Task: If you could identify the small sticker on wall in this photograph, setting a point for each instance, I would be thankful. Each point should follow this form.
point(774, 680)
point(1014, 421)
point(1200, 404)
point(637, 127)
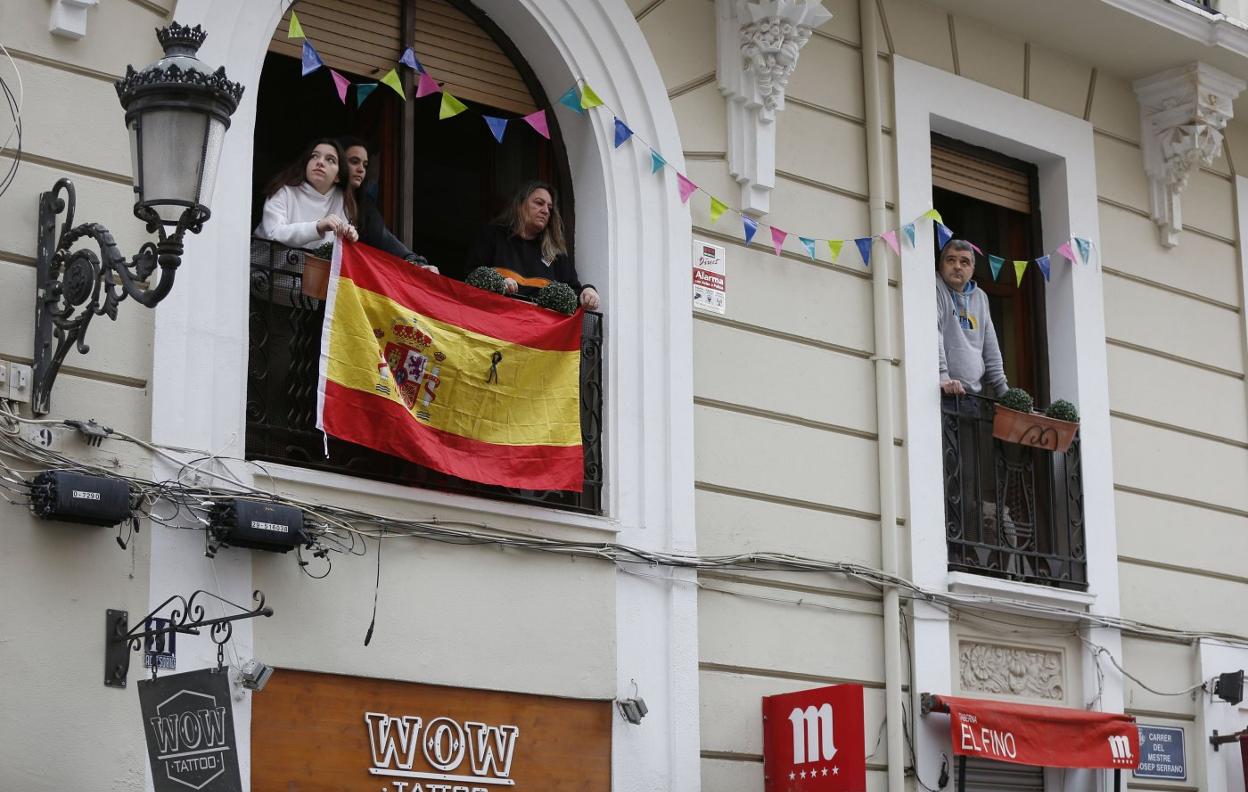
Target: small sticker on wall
point(710, 277)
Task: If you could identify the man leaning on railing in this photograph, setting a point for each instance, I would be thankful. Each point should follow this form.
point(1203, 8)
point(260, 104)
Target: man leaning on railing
point(970, 357)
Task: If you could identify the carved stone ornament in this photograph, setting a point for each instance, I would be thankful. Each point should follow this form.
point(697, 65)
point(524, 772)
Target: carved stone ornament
point(1011, 670)
point(758, 45)
point(1182, 114)
point(68, 18)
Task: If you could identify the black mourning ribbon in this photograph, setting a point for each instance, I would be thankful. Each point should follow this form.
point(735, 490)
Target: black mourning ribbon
point(495, 359)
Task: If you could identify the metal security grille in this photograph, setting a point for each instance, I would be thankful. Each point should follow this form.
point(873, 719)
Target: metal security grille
point(985, 775)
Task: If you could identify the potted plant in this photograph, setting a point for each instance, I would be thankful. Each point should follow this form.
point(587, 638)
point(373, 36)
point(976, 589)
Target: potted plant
point(316, 271)
point(1015, 421)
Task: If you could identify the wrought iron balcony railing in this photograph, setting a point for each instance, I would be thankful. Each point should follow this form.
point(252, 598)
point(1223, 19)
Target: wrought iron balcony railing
point(1011, 511)
point(285, 342)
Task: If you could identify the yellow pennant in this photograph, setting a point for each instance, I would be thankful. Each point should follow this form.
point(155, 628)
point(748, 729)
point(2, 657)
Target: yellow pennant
point(450, 106)
point(718, 208)
point(392, 79)
point(1019, 266)
point(835, 246)
point(932, 214)
point(589, 98)
point(295, 30)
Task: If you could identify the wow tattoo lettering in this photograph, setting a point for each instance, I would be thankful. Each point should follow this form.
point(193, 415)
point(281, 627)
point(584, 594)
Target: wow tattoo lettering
point(442, 755)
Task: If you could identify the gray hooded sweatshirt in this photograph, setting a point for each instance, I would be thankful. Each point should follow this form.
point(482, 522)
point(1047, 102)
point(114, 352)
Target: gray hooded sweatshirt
point(967, 341)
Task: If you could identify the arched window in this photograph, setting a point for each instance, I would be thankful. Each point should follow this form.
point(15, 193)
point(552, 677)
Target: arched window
point(436, 182)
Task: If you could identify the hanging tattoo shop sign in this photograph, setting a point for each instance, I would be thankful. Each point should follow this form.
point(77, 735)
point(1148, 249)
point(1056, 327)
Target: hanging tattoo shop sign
point(189, 725)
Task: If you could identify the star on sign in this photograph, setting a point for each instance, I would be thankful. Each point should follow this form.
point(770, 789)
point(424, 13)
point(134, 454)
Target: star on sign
point(792, 775)
point(836, 770)
point(825, 771)
point(803, 774)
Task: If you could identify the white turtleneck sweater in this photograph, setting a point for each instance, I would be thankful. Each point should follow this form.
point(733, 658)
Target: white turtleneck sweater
point(291, 214)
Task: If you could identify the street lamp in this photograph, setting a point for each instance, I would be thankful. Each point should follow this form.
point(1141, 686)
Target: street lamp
point(177, 111)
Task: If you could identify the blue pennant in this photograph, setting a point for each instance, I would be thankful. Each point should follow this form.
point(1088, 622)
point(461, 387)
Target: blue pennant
point(1043, 264)
point(497, 126)
point(943, 234)
point(996, 263)
point(864, 247)
point(311, 60)
point(572, 99)
point(1085, 248)
point(656, 161)
point(751, 227)
point(362, 90)
point(908, 230)
point(622, 133)
point(809, 244)
point(409, 60)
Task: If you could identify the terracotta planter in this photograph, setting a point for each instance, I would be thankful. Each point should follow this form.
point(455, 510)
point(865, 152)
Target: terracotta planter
point(1033, 429)
point(315, 276)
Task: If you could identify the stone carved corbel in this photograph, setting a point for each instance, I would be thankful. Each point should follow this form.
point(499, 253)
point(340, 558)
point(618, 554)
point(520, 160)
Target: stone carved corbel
point(758, 44)
point(1182, 114)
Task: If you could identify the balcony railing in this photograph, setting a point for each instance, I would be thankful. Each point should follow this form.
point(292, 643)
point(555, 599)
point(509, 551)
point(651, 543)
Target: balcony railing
point(1011, 511)
point(285, 342)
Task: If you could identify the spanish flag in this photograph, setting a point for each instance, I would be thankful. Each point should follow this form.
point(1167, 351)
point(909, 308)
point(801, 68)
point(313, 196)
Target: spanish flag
point(448, 376)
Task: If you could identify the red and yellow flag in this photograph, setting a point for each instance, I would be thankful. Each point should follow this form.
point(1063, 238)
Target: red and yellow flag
point(451, 377)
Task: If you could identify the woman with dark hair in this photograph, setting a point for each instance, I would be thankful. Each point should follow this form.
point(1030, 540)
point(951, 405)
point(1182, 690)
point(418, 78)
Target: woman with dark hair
point(305, 204)
point(526, 246)
point(372, 228)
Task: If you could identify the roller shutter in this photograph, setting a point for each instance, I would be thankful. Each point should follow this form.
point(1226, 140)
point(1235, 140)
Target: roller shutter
point(966, 174)
point(363, 37)
point(985, 775)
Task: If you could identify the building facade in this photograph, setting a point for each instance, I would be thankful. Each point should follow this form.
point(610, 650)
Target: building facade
point(792, 450)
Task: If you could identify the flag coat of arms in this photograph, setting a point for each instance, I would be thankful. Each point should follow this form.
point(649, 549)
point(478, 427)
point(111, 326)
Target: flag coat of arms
point(457, 379)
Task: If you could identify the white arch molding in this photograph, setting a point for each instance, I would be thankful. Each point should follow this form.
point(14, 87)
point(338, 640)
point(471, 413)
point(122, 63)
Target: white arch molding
point(633, 236)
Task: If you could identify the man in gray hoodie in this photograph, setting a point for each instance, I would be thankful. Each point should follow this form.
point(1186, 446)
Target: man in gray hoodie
point(970, 358)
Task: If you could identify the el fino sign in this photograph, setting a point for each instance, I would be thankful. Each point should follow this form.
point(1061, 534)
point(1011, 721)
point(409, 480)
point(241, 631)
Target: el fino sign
point(189, 725)
point(815, 741)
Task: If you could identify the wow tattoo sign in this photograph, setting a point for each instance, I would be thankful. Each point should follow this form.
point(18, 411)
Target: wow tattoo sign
point(189, 725)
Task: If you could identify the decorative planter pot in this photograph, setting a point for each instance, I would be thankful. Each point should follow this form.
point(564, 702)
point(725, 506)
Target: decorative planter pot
point(315, 276)
point(1033, 429)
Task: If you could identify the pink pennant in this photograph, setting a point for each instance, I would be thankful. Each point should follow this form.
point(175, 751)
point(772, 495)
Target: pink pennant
point(1067, 252)
point(686, 187)
point(975, 248)
point(777, 239)
point(890, 237)
point(342, 84)
point(426, 86)
point(537, 120)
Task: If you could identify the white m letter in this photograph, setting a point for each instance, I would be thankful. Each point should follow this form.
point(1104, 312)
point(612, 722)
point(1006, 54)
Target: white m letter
point(815, 739)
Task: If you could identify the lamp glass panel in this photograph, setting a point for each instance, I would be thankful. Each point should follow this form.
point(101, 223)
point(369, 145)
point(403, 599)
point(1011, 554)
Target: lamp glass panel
point(134, 160)
point(172, 146)
point(212, 159)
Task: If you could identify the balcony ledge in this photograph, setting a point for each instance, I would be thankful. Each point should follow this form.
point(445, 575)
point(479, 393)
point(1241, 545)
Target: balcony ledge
point(1213, 29)
point(1009, 595)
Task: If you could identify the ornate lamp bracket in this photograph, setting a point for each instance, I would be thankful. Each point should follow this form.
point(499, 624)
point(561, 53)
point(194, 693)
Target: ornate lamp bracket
point(186, 616)
point(1182, 114)
point(758, 45)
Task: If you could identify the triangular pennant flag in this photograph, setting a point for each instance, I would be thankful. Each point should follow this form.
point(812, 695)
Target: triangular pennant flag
point(777, 239)
point(943, 234)
point(718, 208)
point(589, 99)
point(835, 245)
point(571, 99)
point(656, 161)
point(450, 107)
point(751, 227)
point(342, 84)
point(392, 79)
point(809, 244)
point(1085, 248)
point(890, 238)
point(932, 214)
point(1019, 268)
point(975, 248)
point(295, 30)
point(622, 133)
point(996, 263)
point(537, 120)
point(685, 186)
point(426, 85)
point(362, 91)
point(311, 60)
point(409, 60)
point(1067, 252)
point(908, 230)
point(1043, 264)
point(497, 126)
point(864, 248)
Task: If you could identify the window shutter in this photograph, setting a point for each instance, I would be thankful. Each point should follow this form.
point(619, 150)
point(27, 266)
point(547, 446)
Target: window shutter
point(462, 56)
point(363, 37)
point(985, 775)
point(972, 176)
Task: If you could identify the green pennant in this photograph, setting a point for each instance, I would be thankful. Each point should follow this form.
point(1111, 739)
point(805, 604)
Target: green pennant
point(589, 98)
point(835, 245)
point(295, 31)
point(1019, 268)
point(718, 208)
point(450, 106)
point(392, 79)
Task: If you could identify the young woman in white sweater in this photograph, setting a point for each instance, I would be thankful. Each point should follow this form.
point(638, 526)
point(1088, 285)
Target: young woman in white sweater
point(306, 205)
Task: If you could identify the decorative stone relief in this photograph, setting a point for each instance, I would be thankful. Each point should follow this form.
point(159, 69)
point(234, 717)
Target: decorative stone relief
point(758, 45)
point(1182, 114)
point(1011, 670)
point(68, 18)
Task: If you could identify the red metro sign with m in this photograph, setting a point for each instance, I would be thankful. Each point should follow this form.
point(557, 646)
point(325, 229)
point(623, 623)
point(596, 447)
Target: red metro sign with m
point(814, 741)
